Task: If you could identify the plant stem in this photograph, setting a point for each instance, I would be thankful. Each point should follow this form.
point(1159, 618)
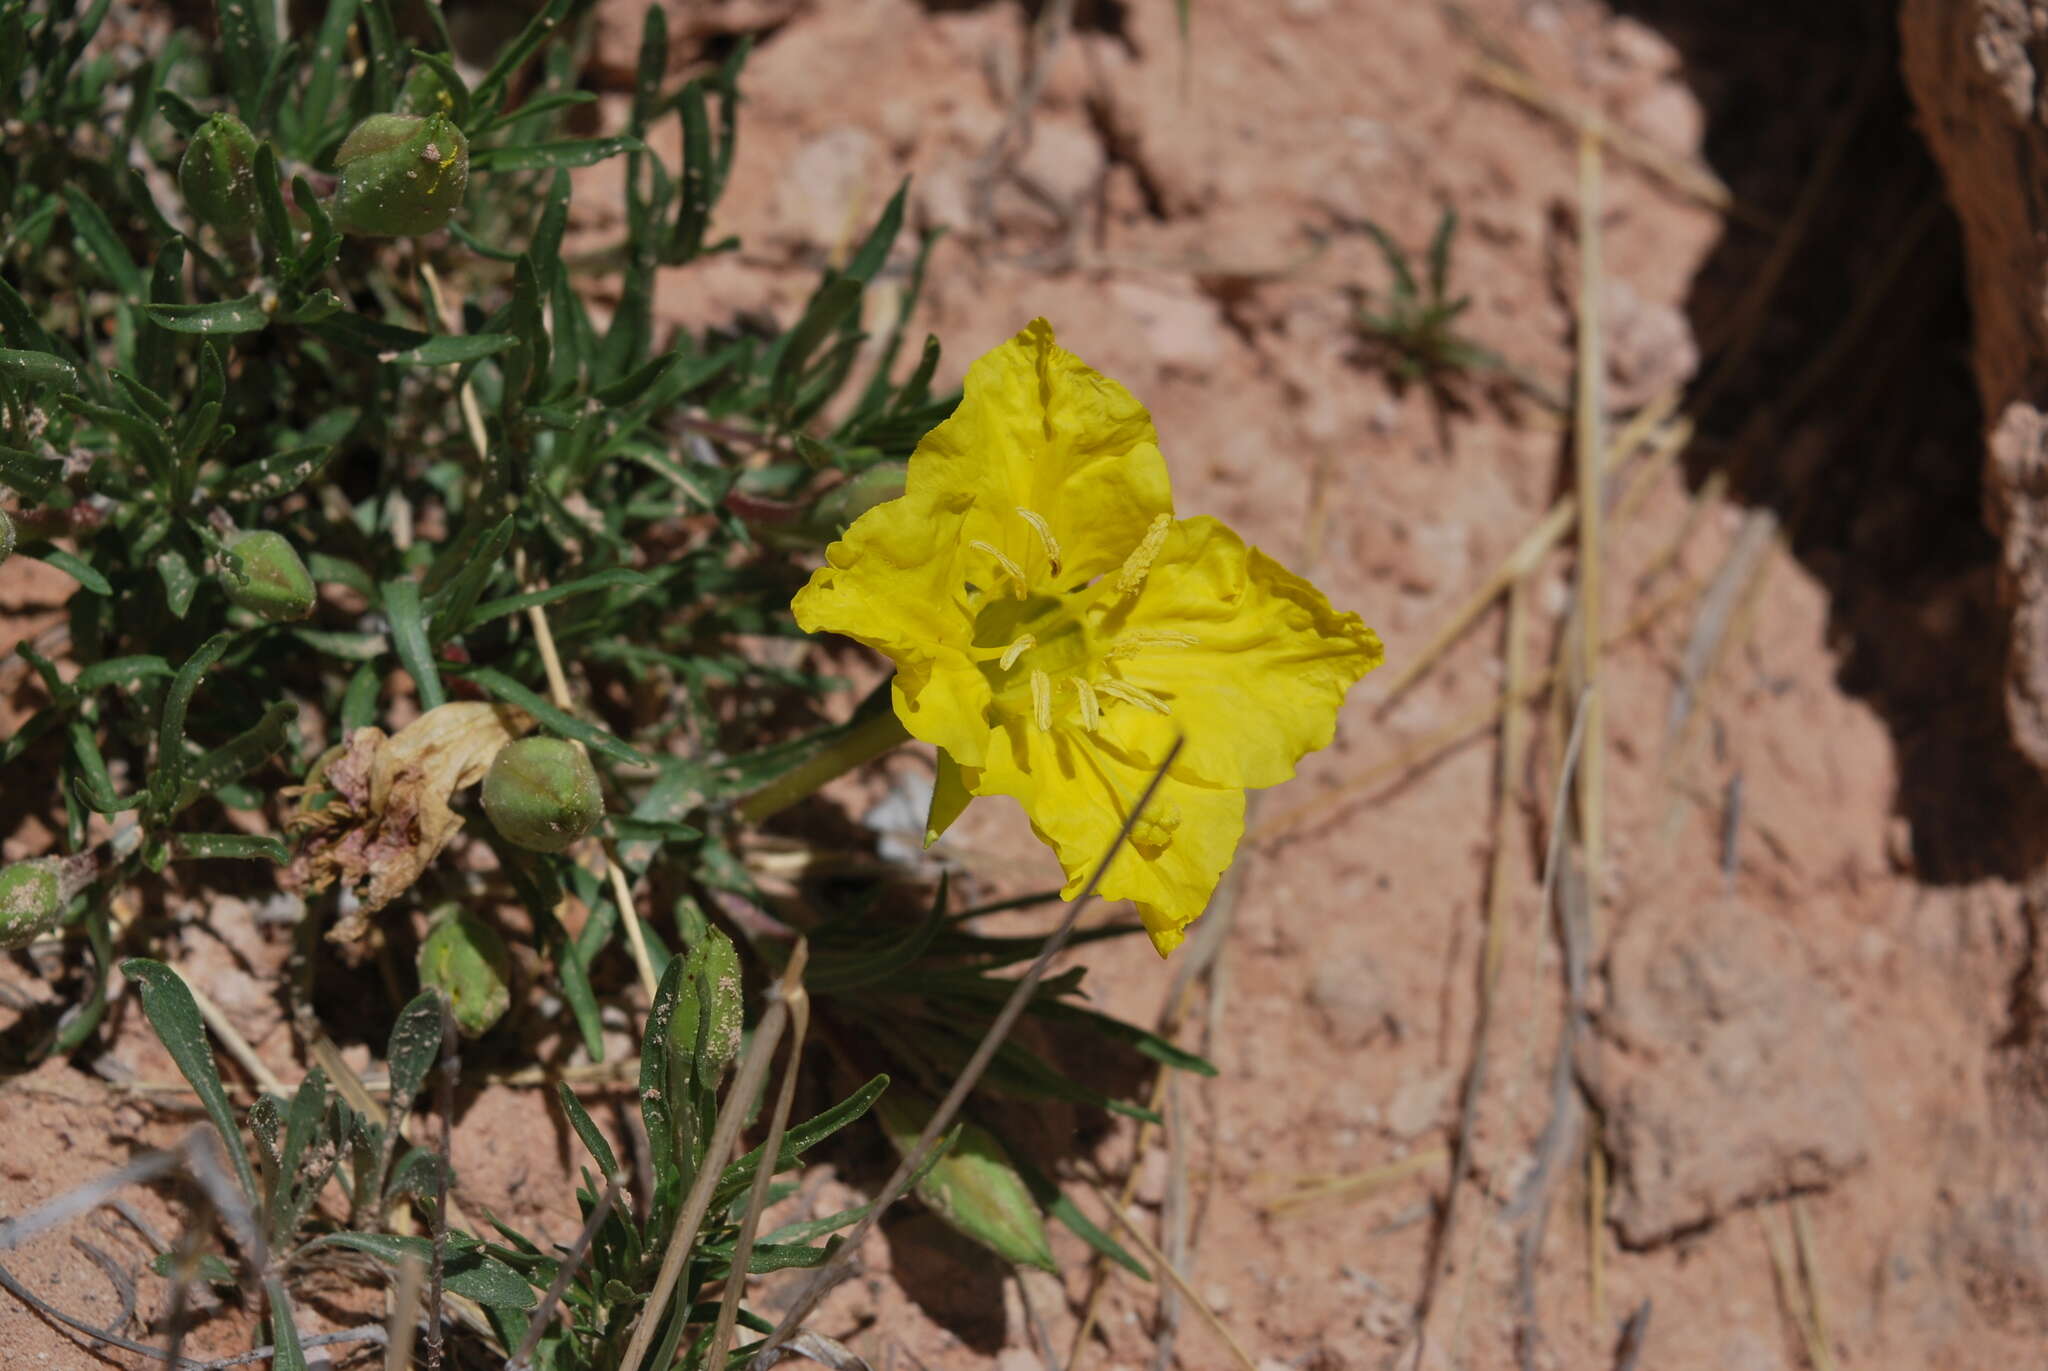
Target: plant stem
point(865, 743)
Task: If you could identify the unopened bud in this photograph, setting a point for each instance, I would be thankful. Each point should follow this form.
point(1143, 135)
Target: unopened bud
point(218, 175)
point(401, 175)
point(858, 494)
point(465, 959)
point(263, 574)
point(542, 793)
point(31, 897)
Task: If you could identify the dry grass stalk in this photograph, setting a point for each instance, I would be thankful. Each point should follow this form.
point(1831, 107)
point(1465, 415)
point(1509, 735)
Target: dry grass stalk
point(1356, 1186)
point(1179, 1282)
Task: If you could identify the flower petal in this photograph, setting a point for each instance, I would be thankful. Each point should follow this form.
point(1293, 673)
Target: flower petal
point(950, 794)
point(895, 582)
point(1039, 430)
point(1250, 659)
point(1077, 796)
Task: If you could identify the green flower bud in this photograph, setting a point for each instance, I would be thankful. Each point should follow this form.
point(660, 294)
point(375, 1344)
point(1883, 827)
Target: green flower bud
point(542, 793)
point(218, 175)
point(465, 959)
point(426, 92)
point(31, 898)
point(270, 580)
point(401, 175)
point(858, 494)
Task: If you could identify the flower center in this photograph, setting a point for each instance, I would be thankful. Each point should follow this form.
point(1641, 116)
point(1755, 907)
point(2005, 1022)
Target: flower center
point(1046, 664)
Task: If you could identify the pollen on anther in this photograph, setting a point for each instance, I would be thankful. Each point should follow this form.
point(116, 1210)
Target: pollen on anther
point(1018, 585)
point(1132, 694)
point(1132, 576)
point(1016, 650)
point(1091, 708)
point(1044, 531)
point(1041, 701)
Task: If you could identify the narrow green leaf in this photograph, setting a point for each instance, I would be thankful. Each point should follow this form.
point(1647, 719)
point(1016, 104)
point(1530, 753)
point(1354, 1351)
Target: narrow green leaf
point(470, 1271)
point(574, 152)
point(834, 303)
point(586, 1129)
point(72, 566)
point(449, 608)
point(248, 34)
point(171, 1012)
point(269, 478)
point(490, 91)
point(409, 637)
point(799, 1139)
point(101, 243)
point(32, 477)
point(238, 757)
point(38, 368)
point(445, 349)
point(166, 782)
point(230, 846)
point(284, 1329)
point(497, 683)
point(120, 671)
point(220, 318)
point(515, 604)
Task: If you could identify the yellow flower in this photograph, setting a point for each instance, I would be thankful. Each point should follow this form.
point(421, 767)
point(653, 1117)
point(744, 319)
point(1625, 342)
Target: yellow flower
point(1055, 628)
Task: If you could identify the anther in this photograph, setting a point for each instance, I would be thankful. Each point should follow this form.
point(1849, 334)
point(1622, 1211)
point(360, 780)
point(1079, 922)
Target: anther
point(1137, 695)
point(1016, 650)
point(1091, 708)
point(1018, 585)
point(1044, 530)
point(1143, 555)
point(1041, 700)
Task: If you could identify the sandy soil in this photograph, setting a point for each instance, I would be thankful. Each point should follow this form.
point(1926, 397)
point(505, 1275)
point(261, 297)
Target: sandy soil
point(1793, 1019)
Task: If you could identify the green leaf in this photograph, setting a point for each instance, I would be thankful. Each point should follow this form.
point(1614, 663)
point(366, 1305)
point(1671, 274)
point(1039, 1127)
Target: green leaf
point(586, 1129)
point(102, 244)
point(180, 581)
point(248, 34)
point(284, 1331)
point(211, 1267)
point(409, 637)
point(414, 1046)
point(974, 1187)
point(834, 303)
point(237, 758)
point(469, 1270)
point(172, 1013)
point(498, 684)
point(449, 607)
point(659, 1104)
point(233, 846)
point(72, 566)
point(38, 368)
point(515, 604)
point(167, 781)
point(799, 1139)
point(445, 349)
point(269, 478)
point(574, 152)
point(120, 671)
point(30, 476)
point(302, 1167)
point(490, 91)
point(1061, 1206)
point(220, 318)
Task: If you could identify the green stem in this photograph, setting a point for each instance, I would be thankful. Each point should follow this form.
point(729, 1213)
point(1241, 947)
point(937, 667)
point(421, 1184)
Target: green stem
point(863, 743)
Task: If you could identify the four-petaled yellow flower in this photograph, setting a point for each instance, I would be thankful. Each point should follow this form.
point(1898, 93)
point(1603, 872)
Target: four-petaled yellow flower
point(1055, 628)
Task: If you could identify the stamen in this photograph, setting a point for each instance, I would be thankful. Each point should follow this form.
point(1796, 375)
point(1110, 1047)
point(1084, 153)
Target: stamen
point(1137, 695)
point(1044, 530)
point(1016, 650)
point(1041, 700)
point(1143, 555)
point(1091, 708)
point(1018, 585)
